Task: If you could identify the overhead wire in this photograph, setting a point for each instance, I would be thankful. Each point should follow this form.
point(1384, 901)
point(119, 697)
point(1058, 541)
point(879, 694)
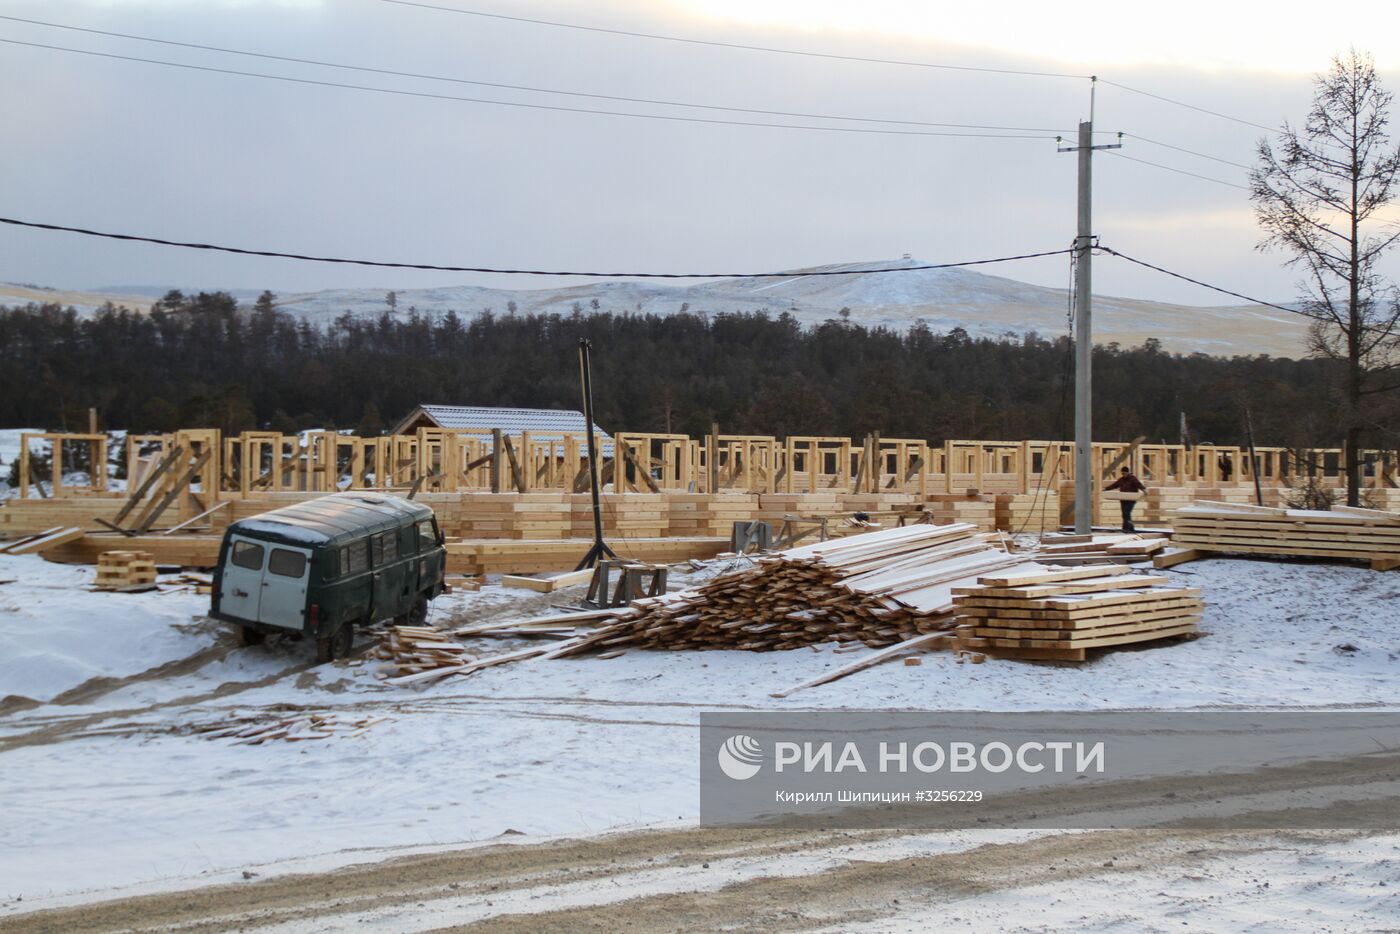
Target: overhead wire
point(1190, 152)
point(158, 241)
point(1168, 168)
point(1170, 100)
point(367, 69)
point(1206, 285)
point(733, 45)
point(522, 104)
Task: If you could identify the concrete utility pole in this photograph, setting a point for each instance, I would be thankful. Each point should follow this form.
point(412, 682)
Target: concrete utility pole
point(1084, 479)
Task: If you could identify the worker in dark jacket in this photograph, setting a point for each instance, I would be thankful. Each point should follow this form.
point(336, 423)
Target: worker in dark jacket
point(1127, 483)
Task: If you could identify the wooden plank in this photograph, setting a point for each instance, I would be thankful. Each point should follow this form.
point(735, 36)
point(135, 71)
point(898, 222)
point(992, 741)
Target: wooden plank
point(1047, 577)
point(1171, 559)
point(924, 641)
point(189, 522)
point(7, 547)
point(45, 542)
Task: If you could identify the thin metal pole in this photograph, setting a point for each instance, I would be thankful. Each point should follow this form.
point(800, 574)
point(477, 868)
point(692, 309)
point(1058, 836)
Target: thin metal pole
point(1084, 479)
point(600, 548)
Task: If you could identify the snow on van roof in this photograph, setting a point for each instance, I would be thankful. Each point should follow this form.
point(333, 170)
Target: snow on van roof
point(336, 515)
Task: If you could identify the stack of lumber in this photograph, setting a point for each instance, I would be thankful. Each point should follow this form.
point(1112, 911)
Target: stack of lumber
point(502, 515)
point(708, 514)
point(41, 541)
point(125, 570)
point(879, 588)
point(1359, 534)
point(1385, 499)
point(1161, 503)
point(972, 509)
point(1068, 549)
point(292, 727)
point(773, 507)
point(1059, 614)
point(418, 654)
point(626, 515)
point(27, 516)
point(877, 502)
point(1032, 513)
point(411, 649)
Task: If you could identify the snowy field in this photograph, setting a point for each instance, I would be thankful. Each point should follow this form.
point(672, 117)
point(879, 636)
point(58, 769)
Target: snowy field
point(104, 790)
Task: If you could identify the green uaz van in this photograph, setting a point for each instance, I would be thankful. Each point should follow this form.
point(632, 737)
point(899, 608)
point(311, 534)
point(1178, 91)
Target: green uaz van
point(319, 568)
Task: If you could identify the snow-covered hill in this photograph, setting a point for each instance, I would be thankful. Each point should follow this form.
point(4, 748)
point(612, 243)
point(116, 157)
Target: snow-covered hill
point(982, 304)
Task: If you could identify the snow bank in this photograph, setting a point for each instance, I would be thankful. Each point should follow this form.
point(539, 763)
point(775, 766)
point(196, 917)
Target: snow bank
point(56, 634)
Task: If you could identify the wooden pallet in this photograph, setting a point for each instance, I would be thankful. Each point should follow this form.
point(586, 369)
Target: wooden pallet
point(125, 570)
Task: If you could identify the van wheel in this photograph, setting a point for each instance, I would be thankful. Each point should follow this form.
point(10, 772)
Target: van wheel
point(419, 614)
point(247, 635)
point(336, 645)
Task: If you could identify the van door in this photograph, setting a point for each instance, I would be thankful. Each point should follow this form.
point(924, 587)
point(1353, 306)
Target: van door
point(284, 585)
point(241, 589)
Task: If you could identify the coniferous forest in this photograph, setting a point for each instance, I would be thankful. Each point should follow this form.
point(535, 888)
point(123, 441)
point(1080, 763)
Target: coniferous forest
point(204, 361)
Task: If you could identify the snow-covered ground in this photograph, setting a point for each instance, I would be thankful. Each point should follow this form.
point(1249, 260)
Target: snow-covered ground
point(105, 789)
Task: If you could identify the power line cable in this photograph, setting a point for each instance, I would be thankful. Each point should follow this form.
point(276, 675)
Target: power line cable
point(1158, 165)
point(517, 272)
point(513, 87)
point(553, 107)
point(1189, 152)
point(1170, 100)
point(732, 45)
point(1207, 285)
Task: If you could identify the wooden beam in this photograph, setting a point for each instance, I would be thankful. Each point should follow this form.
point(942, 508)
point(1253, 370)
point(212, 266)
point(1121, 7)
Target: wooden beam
point(515, 471)
point(166, 463)
point(644, 474)
point(191, 521)
point(1124, 455)
point(153, 512)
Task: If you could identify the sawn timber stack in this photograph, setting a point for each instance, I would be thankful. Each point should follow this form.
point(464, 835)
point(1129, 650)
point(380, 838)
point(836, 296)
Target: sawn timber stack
point(1059, 614)
point(878, 588)
point(1359, 534)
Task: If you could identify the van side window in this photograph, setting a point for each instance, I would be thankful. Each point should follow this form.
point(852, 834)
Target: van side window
point(386, 548)
point(355, 557)
point(247, 555)
point(427, 538)
point(286, 563)
point(408, 541)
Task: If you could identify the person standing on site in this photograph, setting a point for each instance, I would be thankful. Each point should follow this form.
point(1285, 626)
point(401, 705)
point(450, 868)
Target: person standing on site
point(1127, 483)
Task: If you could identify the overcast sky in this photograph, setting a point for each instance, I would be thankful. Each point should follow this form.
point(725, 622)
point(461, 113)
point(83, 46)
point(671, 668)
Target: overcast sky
point(190, 155)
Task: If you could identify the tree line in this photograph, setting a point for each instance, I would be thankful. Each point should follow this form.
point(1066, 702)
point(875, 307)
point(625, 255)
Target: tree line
point(204, 361)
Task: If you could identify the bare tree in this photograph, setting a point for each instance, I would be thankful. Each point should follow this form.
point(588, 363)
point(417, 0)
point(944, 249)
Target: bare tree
point(1317, 197)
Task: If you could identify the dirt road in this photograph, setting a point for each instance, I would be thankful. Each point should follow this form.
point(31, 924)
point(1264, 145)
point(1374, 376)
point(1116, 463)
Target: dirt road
point(770, 879)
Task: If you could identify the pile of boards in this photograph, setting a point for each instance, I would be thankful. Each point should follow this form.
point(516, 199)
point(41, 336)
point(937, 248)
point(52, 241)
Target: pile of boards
point(1059, 614)
point(291, 726)
point(1069, 549)
point(879, 588)
point(1343, 532)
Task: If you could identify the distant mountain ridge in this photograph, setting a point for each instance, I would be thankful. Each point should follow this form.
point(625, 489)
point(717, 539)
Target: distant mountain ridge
point(983, 305)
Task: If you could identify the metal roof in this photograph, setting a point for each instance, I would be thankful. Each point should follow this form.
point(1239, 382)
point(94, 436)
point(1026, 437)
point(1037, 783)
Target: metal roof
point(542, 424)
